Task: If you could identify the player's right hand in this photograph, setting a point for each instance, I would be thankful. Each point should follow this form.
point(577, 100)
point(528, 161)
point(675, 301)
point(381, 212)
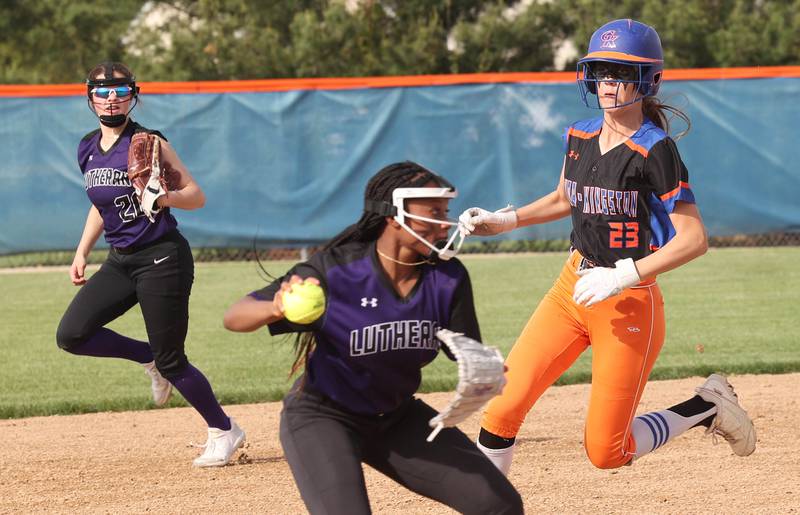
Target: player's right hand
point(481, 222)
point(77, 270)
point(277, 300)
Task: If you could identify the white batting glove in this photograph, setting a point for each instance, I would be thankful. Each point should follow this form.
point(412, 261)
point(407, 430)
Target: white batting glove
point(599, 283)
point(480, 222)
point(152, 192)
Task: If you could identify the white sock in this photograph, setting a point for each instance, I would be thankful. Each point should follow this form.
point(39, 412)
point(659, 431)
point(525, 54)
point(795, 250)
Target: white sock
point(654, 429)
point(500, 457)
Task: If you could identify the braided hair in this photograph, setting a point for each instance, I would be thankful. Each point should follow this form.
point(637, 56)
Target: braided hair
point(377, 195)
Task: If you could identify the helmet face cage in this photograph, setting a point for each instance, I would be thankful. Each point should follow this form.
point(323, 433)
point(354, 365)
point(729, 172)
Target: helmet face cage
point(399, 195)
point(622, 42)
point(647, 81)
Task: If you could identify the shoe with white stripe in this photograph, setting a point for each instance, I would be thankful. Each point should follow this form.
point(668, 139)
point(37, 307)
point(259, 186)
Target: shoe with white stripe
point(731, 422)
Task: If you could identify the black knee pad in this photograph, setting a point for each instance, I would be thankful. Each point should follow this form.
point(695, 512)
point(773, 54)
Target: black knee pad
point(171, 365)
point(67, 339)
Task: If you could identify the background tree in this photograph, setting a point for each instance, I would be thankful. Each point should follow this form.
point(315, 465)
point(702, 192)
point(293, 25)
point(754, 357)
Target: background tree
point(503, 40)
point(56, 41)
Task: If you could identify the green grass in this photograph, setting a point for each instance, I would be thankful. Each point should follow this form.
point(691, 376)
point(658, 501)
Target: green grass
point(740, 304)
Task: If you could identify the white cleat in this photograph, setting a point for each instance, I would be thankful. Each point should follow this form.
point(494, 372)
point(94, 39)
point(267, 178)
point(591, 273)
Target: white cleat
point(162, 389)
point(731, 421)
point(220, 446)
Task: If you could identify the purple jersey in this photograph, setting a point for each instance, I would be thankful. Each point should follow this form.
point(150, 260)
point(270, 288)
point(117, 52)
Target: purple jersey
point(371, 343)
point(105, 177)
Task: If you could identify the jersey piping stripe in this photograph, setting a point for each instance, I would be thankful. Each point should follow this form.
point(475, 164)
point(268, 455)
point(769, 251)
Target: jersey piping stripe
point(668, 195)
point(581, 134)
point(637, 148)
point(621, 56)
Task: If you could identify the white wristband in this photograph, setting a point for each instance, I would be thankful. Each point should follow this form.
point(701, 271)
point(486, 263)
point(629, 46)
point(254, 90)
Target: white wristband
point(626, 272)
point(508, 217)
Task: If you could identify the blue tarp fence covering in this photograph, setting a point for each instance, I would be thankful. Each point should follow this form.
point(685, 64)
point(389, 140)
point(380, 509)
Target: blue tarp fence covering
point(291, 166)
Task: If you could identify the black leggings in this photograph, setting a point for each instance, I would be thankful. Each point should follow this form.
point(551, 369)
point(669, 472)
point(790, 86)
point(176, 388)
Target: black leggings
point(325, 446)
point(159, 277)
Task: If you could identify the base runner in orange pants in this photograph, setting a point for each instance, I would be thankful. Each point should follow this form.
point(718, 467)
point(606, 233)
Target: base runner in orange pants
point(633, 217)
point(626, 335)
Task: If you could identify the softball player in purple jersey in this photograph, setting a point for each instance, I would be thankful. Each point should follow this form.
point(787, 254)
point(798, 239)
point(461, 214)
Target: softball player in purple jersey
point(355, 401)
point(149, 263)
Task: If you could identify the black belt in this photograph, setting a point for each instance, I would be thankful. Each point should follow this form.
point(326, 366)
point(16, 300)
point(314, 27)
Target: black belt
point(136, 248)
point(585, 263)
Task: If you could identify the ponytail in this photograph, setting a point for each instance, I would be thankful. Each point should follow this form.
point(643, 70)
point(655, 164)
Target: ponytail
point(662, 114)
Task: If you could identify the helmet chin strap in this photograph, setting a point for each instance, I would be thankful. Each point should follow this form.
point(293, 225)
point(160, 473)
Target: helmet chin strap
point(112, 120)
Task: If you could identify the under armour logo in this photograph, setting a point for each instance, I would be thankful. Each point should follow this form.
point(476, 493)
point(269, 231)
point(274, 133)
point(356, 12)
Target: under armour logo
point(573, 155)
point(91, 156)
point(373, 302)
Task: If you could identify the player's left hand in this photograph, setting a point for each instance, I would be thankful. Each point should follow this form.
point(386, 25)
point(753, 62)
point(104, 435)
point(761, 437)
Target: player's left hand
point(599, 283)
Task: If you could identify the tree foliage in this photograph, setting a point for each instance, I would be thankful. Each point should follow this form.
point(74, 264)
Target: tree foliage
point(704, 33)
point(53, 41)
point(57, 41)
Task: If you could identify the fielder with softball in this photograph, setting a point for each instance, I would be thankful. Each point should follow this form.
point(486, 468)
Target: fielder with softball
point(368, 309)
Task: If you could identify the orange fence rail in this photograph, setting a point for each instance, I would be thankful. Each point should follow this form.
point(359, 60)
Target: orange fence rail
point(268, 85)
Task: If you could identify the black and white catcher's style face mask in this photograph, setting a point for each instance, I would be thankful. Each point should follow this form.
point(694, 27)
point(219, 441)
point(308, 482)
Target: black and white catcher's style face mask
point(453, 244)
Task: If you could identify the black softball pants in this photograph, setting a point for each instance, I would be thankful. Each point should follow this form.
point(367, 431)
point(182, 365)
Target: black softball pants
point(325, 446)
point(157, 276)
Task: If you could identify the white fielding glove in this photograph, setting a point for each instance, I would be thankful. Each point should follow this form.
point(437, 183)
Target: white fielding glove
point(480, 222)
point(481, 376)
point(599, 283)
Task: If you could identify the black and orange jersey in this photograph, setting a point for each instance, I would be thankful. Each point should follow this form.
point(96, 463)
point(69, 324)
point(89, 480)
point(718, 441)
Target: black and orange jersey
point(621, 200)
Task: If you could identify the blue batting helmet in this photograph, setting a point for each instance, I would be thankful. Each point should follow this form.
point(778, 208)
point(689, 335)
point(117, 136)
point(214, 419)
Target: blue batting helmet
point(626, 42)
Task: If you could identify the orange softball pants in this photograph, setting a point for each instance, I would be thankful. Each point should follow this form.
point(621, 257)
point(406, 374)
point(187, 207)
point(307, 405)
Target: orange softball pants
point(626, 333)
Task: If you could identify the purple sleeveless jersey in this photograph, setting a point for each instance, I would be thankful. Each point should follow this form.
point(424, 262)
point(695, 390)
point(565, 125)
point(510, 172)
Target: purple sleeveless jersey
point(105, 177)
point(371, 343)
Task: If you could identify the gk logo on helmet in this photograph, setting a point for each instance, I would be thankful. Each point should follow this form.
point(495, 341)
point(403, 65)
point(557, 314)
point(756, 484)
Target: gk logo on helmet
point(608, 38)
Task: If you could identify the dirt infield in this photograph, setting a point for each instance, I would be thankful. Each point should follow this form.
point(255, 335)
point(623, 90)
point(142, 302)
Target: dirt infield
point(138, 462)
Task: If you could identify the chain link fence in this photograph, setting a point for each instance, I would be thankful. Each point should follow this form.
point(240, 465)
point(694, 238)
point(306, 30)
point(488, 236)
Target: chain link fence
point(283, 252)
